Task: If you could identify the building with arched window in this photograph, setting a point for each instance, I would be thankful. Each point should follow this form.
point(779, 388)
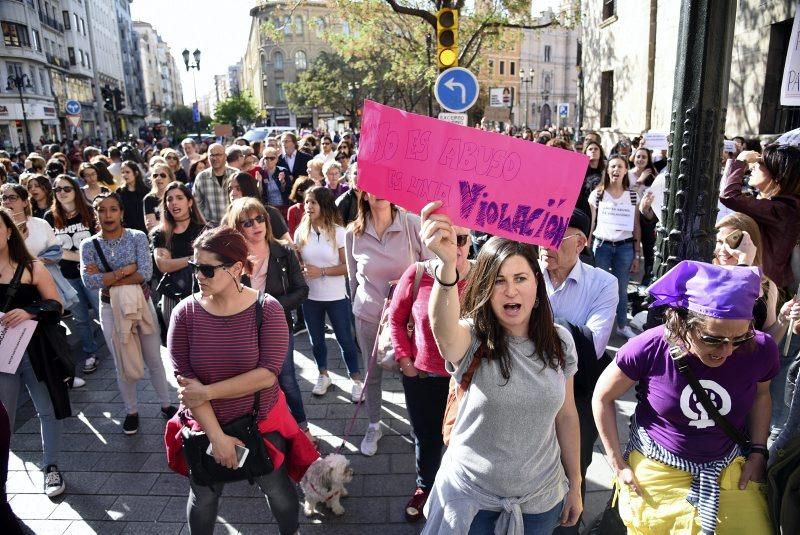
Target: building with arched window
point(269, 65)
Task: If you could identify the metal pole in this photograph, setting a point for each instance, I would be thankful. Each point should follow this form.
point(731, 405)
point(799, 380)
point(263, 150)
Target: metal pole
point(527, 106)
point(196, 105)
point(702, 76)
point(428, 42)
point(19, 83)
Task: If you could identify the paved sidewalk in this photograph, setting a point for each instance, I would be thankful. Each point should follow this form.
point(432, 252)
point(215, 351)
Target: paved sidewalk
point(121, 484)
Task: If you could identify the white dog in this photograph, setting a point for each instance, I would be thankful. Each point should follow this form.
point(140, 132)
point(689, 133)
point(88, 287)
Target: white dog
point(324, 482)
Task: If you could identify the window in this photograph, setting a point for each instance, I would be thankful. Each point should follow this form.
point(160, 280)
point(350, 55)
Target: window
point(547, 53)
point(77, 22)
point(15, 69)
point(298, 25)
point(277, 59)
point(512, 68)
point(83, 27)
point(502, 67)
point(320, 24)
point(606, 98)
point(609, 8)
point(71, 53)
point(43, 80)
point(287, 25)
point(37, 42)
point(83, 59)
point(88, 61)
point(280, 95)
point(547, 82)
point(65, 14)
point(15, 34)
point(300, 60)
point(263, 64)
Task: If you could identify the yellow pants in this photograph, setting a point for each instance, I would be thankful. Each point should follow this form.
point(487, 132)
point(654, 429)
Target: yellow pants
point(663, 509)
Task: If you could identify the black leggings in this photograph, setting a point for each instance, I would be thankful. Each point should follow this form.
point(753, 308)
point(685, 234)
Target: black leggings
point(201, 509)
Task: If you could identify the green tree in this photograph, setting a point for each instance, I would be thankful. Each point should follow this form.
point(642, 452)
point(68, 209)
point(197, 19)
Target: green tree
point(236, 110)
point(182, 121)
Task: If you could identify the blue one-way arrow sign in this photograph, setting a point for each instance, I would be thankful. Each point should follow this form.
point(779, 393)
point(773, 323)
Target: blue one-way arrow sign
point(456, 89)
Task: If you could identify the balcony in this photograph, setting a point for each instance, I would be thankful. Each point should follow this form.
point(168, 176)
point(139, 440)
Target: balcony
point(51, 22)
point(58, 62)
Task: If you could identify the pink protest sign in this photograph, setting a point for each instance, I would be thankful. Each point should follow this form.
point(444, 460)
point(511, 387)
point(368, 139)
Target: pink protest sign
point(497, 184)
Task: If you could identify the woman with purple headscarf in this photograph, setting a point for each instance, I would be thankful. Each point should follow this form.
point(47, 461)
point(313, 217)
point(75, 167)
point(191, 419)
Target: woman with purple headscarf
point(681, 472)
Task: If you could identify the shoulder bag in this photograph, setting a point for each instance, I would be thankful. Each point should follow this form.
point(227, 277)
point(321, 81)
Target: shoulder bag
point(203, 468)
point(456, 393)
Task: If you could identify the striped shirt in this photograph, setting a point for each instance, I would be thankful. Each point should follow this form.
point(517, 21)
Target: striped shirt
point(213, 348)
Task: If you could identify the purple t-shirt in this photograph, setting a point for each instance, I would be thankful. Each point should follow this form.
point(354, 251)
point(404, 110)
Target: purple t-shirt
point(669, 411)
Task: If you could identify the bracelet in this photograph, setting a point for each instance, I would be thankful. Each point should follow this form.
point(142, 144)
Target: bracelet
point(323, 273)
point(446, 285)
point(759, 448)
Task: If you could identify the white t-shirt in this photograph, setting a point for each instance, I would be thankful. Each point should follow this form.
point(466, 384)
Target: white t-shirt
point(319, 251)
point(624, 202)
point(40, 236)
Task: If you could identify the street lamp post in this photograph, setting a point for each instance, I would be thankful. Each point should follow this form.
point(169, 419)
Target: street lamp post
point(527, 81)
point(20, 82)
point(579, 126)
point(194, 66)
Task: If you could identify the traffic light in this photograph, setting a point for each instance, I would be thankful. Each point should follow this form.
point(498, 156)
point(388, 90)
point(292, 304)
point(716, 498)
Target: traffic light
point(119, 100)
point(446, 38)
point(108, 98)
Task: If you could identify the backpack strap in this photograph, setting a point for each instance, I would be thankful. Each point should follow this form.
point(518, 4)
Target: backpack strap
point(466, 379)
point(13, 286)
point(101, 255)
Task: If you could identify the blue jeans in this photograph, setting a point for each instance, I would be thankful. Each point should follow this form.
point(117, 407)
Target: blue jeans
point(339, 313)
point(80, 312)
point(617, 259)
point(288, 381)
point(9, 395)
point(536, 524)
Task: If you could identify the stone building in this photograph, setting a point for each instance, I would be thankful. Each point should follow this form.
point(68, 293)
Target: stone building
point(629, 59)
point(160, 75)
point(132, 115)
point(269, 65)
point(107, 53)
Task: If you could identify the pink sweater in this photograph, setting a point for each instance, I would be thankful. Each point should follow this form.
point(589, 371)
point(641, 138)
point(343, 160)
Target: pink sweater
point(423, 350)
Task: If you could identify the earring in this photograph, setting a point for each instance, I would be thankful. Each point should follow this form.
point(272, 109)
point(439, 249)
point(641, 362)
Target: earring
point(536, 303)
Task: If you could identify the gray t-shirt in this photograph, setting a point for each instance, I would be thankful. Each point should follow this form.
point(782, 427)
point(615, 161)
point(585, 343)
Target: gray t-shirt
point(504, 439)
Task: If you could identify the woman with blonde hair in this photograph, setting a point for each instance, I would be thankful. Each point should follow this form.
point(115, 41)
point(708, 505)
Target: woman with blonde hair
point(160, 175)
point(276, 271)
point(749, 252)
point(173, 160)
point(315, 172)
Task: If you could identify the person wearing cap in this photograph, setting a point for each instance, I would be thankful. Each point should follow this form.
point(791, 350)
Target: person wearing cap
point(584, 300)
point(681, 472)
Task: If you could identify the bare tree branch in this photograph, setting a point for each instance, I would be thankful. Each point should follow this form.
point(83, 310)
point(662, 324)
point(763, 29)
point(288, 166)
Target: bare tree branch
point(427, 16)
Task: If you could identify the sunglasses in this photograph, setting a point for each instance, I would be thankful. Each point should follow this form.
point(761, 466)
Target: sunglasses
point(206, 269)
point(171, 158)
point(270, 158)
point(160, 175)
point(461, 239)
point(326, 143)
point(10, 198)
point(65, 189)
point(247, 223)
point(717, 341)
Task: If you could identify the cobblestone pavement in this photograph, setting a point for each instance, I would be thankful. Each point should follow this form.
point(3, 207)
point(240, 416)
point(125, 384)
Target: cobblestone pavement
point(121, 484)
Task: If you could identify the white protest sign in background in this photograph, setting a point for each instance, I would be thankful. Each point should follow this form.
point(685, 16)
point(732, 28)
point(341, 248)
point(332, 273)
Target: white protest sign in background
point(656, 140)
point(790, 86)
point(616, 216)
point(13, 343)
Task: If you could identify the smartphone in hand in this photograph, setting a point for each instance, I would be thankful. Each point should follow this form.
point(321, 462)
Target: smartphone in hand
point(734, 239)
point(241, 454)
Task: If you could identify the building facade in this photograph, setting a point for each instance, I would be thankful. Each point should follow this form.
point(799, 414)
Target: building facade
point(108, 67)
point(132, 115)
point(630, 54)
point(269, 65)
point(159, 71)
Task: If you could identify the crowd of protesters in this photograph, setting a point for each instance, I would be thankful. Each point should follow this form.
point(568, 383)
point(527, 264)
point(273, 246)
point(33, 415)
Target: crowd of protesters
point(145, 246)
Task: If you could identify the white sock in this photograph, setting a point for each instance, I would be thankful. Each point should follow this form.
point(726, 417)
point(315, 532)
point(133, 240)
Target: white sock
point(375, 426)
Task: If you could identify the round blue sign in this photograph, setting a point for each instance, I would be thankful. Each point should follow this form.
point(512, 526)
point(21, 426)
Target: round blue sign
point(73, 107)
point(456, 89)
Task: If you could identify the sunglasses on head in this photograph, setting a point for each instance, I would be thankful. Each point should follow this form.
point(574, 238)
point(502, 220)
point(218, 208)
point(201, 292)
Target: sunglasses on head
point(160, 175)
point(10, 198)
point(247, 223)
point(717, 341)
point(461, 239)
point(65, 189)
point(207, 270)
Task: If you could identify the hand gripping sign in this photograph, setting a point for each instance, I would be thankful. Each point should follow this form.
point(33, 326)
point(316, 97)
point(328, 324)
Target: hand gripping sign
point(488, 182)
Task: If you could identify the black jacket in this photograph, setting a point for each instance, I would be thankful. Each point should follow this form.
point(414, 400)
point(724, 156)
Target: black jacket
point(300, 168)
point(285, 281)
point(347, 203)
point(285, 189)
point(589, 366)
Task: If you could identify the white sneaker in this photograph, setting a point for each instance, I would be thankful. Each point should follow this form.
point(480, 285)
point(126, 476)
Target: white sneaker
point(369, 445)
point(323, 383)
point(357, 391)
point(626, 331)
point(77, 382)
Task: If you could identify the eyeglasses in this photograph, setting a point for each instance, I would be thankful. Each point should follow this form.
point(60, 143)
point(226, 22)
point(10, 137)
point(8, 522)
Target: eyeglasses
point(10, 198)
point(160, 175)
point(461, 239)
point(206, 269)
point(247, 223)
point(65, 189)
point(717, 341)
point(270, 158)
point(565, 238)
point(171, 158)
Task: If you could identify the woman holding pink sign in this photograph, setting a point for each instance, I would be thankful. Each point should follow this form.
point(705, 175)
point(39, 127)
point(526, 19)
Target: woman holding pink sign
point(616, 232)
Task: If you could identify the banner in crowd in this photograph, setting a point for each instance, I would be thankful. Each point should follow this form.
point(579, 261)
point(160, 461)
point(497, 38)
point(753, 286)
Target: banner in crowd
point(790, 85)
point(13, 342)
point(488, 182)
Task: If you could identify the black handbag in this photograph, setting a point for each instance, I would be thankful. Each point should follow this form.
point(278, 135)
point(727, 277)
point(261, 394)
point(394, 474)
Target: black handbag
point(176, 285)
point(203, 468)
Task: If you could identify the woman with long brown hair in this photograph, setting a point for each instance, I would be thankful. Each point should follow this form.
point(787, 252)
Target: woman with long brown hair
point(132, 192)
point(379, 245)
point(41, 194)
point(90, 176)
point(73, 221)
point(503, 465)
point(160, 175)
